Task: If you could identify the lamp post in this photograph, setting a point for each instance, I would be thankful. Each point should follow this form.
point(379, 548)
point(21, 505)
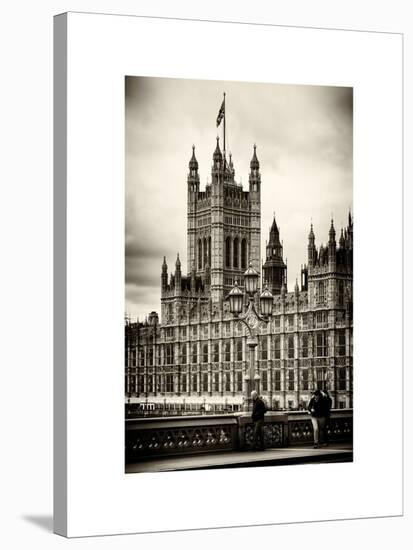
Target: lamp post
point(251, 319)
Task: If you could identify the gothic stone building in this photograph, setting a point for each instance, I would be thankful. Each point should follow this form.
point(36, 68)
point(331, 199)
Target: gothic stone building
point(196, 355)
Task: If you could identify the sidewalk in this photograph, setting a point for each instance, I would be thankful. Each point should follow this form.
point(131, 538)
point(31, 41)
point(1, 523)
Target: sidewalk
point(338, 452)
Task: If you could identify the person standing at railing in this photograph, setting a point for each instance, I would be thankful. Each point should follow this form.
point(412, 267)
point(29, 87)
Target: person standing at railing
point(316, 409)
point(327, 403)
point(258, 411)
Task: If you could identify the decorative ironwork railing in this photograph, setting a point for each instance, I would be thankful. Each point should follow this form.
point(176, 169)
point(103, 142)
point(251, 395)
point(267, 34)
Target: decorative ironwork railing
point(180, 435)
point(339, 427)
point(274, 425)
point(146, 437)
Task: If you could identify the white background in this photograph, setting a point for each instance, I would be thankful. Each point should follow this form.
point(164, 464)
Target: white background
point(26, 220)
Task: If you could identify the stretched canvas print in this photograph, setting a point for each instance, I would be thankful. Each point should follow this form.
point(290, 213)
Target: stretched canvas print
point(239, 274)
point(222, 219)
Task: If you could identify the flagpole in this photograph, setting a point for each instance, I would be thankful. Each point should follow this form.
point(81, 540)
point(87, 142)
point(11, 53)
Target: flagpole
point(224, 126)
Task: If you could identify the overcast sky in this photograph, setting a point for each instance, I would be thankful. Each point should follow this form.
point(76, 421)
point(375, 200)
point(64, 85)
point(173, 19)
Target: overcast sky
point(304, 137)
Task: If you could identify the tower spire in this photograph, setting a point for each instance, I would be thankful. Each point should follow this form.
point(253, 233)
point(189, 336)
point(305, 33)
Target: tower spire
point(224, 125)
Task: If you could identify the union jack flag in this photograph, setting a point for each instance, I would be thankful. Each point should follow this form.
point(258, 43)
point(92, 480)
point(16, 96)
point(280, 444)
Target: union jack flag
point(221, 113)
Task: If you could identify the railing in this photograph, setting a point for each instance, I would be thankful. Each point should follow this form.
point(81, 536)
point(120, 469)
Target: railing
point(179, 435)
point(339, 427)
point(149, 437)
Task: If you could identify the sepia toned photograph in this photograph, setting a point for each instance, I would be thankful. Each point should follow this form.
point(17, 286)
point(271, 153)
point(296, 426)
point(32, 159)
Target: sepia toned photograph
point(238, 274)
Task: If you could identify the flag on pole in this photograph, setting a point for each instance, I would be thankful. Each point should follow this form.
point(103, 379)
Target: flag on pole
point(221, 113)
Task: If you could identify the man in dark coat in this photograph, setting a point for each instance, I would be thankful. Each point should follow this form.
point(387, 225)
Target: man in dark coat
point(258, 411)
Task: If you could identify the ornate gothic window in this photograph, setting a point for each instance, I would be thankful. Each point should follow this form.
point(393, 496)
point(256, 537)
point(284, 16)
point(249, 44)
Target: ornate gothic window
point(236, 252)
point(291, 347)
point(342, 378)
point(215, 382)
point(169, 354)
point(227, 252)
point(227, 352)
point(239, 380)
point(341, 342)
point(169, 383)
point(321, 319)
point(205, 353)
point(264, 348)
point(205, 252)
point(304, 380)
point(277, 347)
point(291, 380)
point(304, 345)
point(199, 254)
point(216, 353)
point(183, 354)
point(320, 292)
point(227, 381)
point(239, 350)
point(243, 254)
point(277, 380)
point(194, 353)
point(341, 293)
point(321, 344)
point(264, 381)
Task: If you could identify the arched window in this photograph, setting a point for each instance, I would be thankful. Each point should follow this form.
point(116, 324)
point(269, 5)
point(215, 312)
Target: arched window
point(209, 252)
point(227, 252)
point(236, 252)
point(243, 254)
point(199, 254)
point(205, 252)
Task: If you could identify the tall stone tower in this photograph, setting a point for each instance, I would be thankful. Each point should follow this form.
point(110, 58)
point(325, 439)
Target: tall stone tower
point(274, 269)
point(224, 223)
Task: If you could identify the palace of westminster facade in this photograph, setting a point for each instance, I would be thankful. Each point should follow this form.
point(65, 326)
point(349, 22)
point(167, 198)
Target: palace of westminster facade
point(196, 355)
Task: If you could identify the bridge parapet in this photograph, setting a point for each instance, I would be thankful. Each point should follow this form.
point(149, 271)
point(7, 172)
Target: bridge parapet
point(184, 435)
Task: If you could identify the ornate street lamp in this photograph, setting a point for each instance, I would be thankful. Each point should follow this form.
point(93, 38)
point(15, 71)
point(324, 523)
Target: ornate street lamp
point(251, 280)
point(266, 302)
point(251, 319)
point(236, 298)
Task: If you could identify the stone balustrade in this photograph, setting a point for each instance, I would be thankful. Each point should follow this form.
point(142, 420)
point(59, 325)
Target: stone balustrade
point(167, 436)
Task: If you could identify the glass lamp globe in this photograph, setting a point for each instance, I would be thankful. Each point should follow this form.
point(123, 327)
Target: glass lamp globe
point(235, 300)
point(266, 302)
point(251, 280)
